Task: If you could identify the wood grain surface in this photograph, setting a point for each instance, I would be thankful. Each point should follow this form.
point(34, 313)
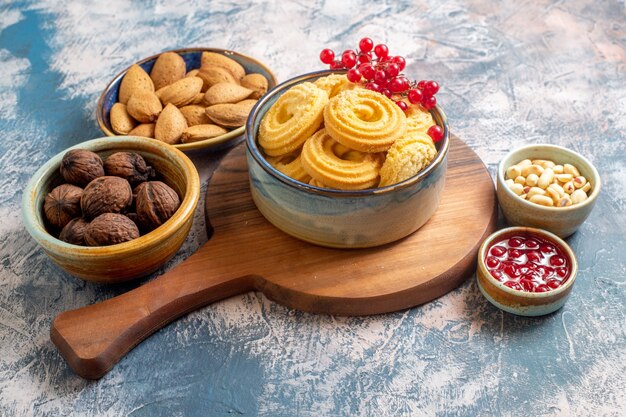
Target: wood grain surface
point(247, 253)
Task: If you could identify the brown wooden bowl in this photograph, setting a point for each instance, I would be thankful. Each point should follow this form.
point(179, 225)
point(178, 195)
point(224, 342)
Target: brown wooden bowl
point(128, 260)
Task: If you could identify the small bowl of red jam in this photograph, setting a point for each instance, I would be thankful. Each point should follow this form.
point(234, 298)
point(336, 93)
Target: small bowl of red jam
point(526, 271)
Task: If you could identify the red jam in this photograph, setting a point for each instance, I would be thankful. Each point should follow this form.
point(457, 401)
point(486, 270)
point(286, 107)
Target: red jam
point(528, 262)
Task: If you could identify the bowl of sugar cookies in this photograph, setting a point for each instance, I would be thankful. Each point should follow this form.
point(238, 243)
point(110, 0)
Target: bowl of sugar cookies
point(335, 163)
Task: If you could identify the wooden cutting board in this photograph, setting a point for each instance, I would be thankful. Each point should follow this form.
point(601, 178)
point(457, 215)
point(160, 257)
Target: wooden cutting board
point(246, 253)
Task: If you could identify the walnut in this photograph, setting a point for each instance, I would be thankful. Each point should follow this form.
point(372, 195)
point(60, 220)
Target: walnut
point(109, 229)
point(62, 204)
point(74, 232)
point(106, 195)
point(128, 165)
point(80, 167)
point(156, 202)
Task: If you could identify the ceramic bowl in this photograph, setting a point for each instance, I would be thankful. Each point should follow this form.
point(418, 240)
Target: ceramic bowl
point(521, 302)
point(562, 221)
point(192, 58)
point(128, 260)
point(338, 218)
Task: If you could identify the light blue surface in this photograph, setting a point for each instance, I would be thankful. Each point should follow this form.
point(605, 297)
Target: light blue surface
point(511, 73)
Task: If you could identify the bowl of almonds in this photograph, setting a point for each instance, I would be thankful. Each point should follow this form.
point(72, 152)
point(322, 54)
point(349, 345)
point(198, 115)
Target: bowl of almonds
point(194, 98)
point(112, 209)
point(547, 187)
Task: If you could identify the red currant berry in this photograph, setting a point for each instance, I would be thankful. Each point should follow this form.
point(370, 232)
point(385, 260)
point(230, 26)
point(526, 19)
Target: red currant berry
point(381, 51)
point(402, 105)
point(399, 61)
point(368, 71)
point(553, 283)
point(380, 77)
point(385, 92)
point(392, 70)
point(354, 75)
point(421, 85)
point(547, 248)
point(436, 133)
point(431, 88)
point(557, 261)
point(496, 274)
point(365, 57)
point(515, 242)
point(532, 244)
point(492, 262)
point(399, 84)
point(366, 44)
point(429, 102)
point(515, 253)
point(561, 272)
point(498, 250)
point(372, 86)
point(348, 59)
point(327, 56)
point(415, 96)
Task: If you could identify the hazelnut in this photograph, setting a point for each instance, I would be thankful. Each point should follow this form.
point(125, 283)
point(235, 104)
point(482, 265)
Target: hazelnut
point(156, 202)
point(80, 167)
point(128, 165)
point(62, 204)
point(74, 232)
point(106, 195)
point(110, 229)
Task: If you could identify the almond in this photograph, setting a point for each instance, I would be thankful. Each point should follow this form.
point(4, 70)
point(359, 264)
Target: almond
point(198, 99)
point(145, 129)
point(226, 93)
point(135, 79)
point(168, 68)
point(212, 75)
point(144, 106)
point(121, 122)
point(193, 73)
point(256, 82)
point(248, 104)
point(228, 115)
point(195, 115)
point(182, 92)
point(170, 125)
point(201, 132)
point(213, 58)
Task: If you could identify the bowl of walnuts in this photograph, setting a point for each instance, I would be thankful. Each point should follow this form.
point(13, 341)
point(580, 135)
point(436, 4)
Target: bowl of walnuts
point(112, 209)
point(193, 98)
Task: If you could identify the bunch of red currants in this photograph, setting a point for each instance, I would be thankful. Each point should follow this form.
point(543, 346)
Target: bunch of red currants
point(380, 72)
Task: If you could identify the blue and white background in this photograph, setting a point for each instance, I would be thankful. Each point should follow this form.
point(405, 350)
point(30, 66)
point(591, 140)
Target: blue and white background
point(512, 73)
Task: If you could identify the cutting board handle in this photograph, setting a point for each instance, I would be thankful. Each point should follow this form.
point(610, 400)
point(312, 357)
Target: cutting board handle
point(94, 338)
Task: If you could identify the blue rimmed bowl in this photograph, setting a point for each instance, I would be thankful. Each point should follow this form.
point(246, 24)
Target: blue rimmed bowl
point(192, 58)
point(338, 218)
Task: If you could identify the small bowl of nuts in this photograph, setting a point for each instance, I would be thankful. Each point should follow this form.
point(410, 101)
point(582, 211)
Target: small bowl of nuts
point(112, 209)
point(193, 98)
point(547, 187)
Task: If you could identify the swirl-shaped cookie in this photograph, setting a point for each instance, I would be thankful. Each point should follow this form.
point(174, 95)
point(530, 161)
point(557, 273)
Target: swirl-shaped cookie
point(334, 84)
point(295, 116)
point(364, 120)
point(352, 171)
point(418, 119)
point(290, 166)
point(406, 158)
